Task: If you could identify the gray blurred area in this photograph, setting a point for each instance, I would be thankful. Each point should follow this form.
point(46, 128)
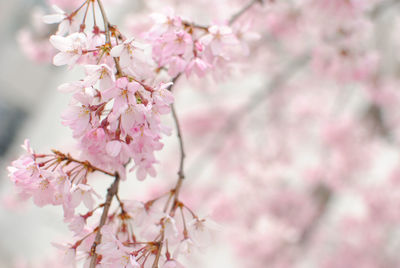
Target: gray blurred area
point(25, 88)
point(22, 83)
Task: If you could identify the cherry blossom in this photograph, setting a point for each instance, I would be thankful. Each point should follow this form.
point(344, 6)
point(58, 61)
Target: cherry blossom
point(294, 154)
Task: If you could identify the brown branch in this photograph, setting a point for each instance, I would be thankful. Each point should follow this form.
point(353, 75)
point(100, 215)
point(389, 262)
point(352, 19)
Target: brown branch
point(322, 195)
point(111, 192)
point(238, 14)
point(66, 157)
point(181, 174)
point(181, 146)
point(159, 248)
point(374, 119)
point(195, 25)
point(108, 35)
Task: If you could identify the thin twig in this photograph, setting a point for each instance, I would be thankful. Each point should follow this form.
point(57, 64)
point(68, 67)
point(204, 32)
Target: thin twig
point(381, 8)
point(237, 15)
point(322, 195)
point(181, 174)
point(111, 192)
point(68, 158)
point(108, 35)
point(181, 146)
point(159, 248)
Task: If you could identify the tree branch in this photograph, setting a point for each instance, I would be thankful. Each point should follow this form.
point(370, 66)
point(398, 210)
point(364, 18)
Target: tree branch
point(237, 15)
point(108, 35)
point(181, 174)
point(111, 192)
point(90, 167)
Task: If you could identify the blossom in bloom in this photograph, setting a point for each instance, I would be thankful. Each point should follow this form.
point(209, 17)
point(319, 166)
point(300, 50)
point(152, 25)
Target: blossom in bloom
point(69, 253)
point(132, 55)
point(83, 192)
point(78, 118)
point(123, 94)
point(218, 39)
point(76, 224)
point(114, 253)
point(71, 47)
point(99, 73)
point(66, 24)
point(198, 65)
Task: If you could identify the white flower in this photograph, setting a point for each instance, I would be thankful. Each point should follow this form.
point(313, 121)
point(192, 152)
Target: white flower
point(77, 224)
point(201, 231)
point(102, 73)
point(66, 25)
point(83, 192)
point(171, 231)
point(71, 48)
point(69, 257)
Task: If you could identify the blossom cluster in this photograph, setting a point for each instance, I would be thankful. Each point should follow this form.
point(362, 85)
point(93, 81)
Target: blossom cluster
point(180, 46)
point(115, 117)
point(60, 180)
point(53, 179)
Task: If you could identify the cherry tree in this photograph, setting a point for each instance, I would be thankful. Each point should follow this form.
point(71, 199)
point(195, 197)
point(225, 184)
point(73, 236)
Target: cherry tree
point(292, 143)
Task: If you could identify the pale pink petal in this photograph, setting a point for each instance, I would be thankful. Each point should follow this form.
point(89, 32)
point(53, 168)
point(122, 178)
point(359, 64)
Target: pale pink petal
point(61, 59)
point(54, 18)
point(141, 173)
point(113, 148)
point(117, 50)
point(60, 43)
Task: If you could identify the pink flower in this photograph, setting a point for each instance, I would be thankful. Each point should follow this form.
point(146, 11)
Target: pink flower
point(78, 118)
point(24, 172)
point(71, 48)
point(66, 24)
point(94, 141)
point(102, 73)
point(198, 65)
point(83, 192)
point(170, 228)
point(244, 35)
point(129, 51)
point(113, 148)
point(163, 98)
point(123, 94)
point(176, 43)
point(74, 87)
point(164, 23)
point(185, 247)
point(69, 253)
point(77, 224)
point(218, 39)
point(176, 65)
point(144, 168)
point(44, 189)
point(114, 253)
point(201, 231)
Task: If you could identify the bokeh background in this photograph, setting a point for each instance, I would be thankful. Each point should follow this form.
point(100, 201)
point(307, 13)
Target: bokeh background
point(295, 159)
